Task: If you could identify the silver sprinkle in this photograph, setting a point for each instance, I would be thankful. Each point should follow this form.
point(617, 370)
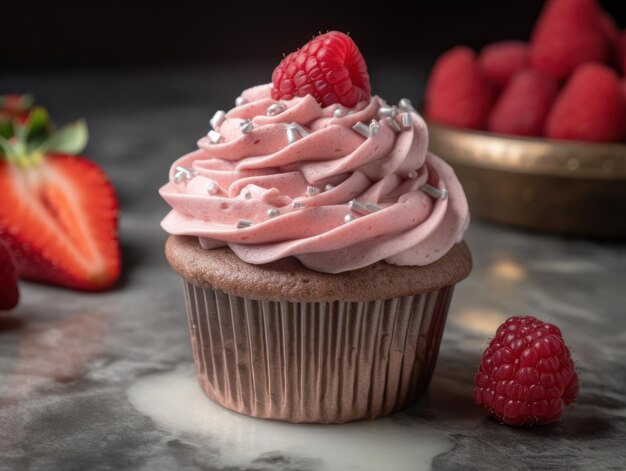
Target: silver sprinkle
point(339, 112)
point(362, 129)
point(214, 137)
point(212, 188)
point(328, 187)
point(243, 223)
point(374, 127)
point(348, 218)
point(312, 191)
point(363, 208)
point(291, 135)
point(217, 119)
point(385, 111)
point(190, 172)
point(412, 174)
point(358, 207)
point(179, 177)
point(435, 192)
point(293, 131)
point(393, 124)
point(299, 129)
point(239, 101)
point(246, 126)
point(275, 109)
point(406, 121)
point(245, 194)
point(183, 174)
point(272, 212)
point(406, 105)
point(298, 205)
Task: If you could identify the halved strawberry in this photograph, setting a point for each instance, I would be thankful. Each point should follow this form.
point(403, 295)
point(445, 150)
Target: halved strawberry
point(9, 295)
point(58, 212)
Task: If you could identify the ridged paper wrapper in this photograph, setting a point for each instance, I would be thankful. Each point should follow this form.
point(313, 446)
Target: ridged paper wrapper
point(318, 362)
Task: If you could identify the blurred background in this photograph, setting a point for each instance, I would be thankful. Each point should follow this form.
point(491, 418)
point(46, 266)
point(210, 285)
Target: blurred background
point(103, 34)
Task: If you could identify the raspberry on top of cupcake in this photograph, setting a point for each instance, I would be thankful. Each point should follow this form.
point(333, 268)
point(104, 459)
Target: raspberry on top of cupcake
point(313, 166)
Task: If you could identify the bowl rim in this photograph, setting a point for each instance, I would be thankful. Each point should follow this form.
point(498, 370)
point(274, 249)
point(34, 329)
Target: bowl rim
point(571, 159)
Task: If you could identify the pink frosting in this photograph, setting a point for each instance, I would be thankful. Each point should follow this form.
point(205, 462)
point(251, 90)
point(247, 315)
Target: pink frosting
point(237, 180)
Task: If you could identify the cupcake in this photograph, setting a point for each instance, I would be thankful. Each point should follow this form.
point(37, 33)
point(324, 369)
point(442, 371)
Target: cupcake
point(319, 243)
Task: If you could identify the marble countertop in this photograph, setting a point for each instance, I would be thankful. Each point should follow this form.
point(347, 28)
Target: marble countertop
point(105, 381)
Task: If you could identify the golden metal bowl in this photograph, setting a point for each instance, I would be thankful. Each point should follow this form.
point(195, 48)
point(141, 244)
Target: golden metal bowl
point(555, 186)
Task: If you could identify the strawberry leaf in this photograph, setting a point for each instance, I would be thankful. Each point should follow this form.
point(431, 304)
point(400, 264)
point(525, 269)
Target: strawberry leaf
point(6, 129)
point(70, 139)
point(5, 146)
point(38, 127)
point(12, 149)
point(19, 131)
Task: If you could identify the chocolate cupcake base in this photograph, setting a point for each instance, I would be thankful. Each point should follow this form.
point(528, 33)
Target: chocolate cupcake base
point(319, 360)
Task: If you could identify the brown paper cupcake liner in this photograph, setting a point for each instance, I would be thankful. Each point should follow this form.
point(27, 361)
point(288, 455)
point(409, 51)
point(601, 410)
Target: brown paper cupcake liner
point(318, 362)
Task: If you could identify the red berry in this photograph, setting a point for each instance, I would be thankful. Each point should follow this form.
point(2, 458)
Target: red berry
point(609, 28)
point(458, 94)
point(526, 375)
point(621, 51)
point(502, 60)
point(524, 105)
point(590, 107)
point(330, 67)
point(62, 224)
point(9, 295)
point(613, 38)
point(58, 211)
point(568, 33)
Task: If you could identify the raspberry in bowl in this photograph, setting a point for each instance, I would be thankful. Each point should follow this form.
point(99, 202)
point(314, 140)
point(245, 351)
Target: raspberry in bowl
point(537, 131)
point(319, 243)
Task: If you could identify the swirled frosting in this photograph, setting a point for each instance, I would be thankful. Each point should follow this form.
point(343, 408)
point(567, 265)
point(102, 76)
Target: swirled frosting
point(270, 189)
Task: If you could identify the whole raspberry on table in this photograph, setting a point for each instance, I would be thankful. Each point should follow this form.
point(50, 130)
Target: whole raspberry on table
point(330, 67)
point(526, 375)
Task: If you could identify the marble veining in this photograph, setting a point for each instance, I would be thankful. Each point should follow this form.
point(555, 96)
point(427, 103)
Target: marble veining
point(103, 381)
